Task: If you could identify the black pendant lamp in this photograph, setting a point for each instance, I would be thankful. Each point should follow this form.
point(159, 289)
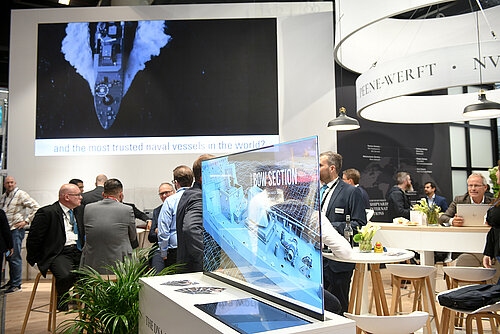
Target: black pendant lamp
point(343, 122)
point(485, 108)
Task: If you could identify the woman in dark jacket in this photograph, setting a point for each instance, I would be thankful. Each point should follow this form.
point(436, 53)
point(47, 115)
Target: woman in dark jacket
point(5, 238)
point(492, 247)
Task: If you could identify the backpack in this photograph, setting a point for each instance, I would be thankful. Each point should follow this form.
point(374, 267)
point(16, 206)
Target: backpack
point(471, 297)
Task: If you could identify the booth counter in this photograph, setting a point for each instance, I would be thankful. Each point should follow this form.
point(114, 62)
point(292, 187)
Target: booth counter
point(165, 310)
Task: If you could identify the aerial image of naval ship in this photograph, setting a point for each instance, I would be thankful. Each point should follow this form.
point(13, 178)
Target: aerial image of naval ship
point(108, 61)
point(264, 218)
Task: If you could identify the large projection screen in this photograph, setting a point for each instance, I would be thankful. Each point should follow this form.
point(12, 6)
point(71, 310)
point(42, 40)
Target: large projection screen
point(305, 93)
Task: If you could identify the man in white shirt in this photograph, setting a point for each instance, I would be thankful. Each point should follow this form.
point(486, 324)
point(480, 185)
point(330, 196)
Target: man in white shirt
point(20, 209)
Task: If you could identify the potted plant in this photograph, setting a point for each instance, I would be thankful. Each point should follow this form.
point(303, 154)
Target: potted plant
point(431, 212)
point(110, 304)
point(364, 237)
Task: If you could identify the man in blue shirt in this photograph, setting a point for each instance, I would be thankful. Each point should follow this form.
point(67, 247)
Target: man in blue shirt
point(432, 198)
point(167, 233)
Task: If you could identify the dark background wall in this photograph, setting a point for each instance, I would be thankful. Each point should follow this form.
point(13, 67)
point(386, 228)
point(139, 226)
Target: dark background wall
point(380, 150)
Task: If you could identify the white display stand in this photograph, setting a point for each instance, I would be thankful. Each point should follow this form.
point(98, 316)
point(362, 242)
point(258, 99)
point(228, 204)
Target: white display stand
point(164, 310)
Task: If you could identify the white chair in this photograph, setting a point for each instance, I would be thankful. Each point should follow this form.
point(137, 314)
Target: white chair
point(486, 312)
point(463, 275)
point(420, 277)
point(469, 274)
point(392, 324)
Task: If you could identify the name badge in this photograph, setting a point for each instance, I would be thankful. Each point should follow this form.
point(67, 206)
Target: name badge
point(339, 211)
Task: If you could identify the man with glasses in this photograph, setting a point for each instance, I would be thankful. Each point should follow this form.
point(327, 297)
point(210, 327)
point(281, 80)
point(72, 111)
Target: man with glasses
point(476, 187)
point(20, 209)
point(55, 240)
point(165, 190)
point(167, 231)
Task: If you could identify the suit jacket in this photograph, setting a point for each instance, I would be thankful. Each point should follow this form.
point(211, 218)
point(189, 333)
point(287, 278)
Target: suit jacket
point(87, 198)
point(152, 236)
point(92, 195)
point(439, 201)
point(47, 237)
point(5, 234)
point(366, 198)
point(109, 230)
point(345, 200)
point(189, 224)
point(444, 219)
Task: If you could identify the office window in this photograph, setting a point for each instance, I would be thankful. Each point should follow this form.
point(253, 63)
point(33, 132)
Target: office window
point(474, 148)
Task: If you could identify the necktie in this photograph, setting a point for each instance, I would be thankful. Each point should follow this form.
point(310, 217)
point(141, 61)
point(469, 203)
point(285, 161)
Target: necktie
point(322, 191)
point(75, 229)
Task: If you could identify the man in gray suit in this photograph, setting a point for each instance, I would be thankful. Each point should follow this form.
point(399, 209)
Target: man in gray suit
point(109, 229)
point(476, 188)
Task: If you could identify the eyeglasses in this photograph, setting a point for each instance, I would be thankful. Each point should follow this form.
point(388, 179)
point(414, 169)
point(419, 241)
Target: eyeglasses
point(75, 195)
point(165, 193)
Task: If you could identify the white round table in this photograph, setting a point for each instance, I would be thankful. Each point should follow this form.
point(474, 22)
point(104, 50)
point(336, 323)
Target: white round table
point(374, 260)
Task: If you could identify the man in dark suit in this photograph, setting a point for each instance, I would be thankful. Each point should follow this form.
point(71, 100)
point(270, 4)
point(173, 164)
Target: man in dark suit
point(432, 198)
point(109, 229)
point(165, 190)
point(91, 196)
point(95, 194)
point(189, 223)
point(54, 240)
point(352, 176)
point(476, 187)
point(339, 199)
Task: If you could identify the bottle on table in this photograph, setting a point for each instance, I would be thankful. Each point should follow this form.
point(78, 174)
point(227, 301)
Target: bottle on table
point(348, 232)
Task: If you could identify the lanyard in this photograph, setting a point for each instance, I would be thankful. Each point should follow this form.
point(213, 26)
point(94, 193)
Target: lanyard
point(326, 193)
point(10, 199)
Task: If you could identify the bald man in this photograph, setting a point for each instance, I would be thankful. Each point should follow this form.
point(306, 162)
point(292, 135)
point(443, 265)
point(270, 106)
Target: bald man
point(54, 241)
point(20, 209)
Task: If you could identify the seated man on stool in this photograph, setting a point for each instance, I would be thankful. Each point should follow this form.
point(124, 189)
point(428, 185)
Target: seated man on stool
point(54, 240)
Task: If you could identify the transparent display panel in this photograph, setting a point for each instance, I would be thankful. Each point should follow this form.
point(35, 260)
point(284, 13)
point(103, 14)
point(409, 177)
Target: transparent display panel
point(261, 215)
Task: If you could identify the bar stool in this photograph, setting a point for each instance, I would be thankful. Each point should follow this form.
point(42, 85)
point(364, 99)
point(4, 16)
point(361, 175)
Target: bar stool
point(51, 325)
point(420, 277)
point(398, 324)
point(463, 275)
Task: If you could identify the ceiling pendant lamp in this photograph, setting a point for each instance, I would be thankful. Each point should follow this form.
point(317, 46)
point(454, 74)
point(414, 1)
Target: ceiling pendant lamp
point(343, 122)
point(485, 108)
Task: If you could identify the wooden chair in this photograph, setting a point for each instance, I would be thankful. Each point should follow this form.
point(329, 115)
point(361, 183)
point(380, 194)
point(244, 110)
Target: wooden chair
point(51, 325)
point(420, 277)
point(463, 275)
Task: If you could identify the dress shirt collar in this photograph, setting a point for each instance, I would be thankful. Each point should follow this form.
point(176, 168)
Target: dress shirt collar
point(64, 208)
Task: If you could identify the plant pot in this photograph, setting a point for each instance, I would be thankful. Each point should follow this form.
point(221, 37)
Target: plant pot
point(365, 246)
point(432, 218)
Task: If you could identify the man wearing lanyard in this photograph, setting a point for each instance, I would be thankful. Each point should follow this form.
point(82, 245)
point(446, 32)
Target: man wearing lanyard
point(167, 231)
point(20, 209)
point(55, 239)
point(339, 199)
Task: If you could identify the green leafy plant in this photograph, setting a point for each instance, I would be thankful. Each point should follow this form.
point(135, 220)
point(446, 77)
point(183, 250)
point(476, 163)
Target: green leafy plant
point(366, 233)
point(493, 178)
point(110, 303)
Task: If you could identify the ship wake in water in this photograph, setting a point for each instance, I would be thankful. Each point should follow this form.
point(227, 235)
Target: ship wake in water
point(106, 66)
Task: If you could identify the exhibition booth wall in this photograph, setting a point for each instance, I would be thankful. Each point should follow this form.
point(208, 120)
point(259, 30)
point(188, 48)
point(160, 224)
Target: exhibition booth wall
point(304, 86)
